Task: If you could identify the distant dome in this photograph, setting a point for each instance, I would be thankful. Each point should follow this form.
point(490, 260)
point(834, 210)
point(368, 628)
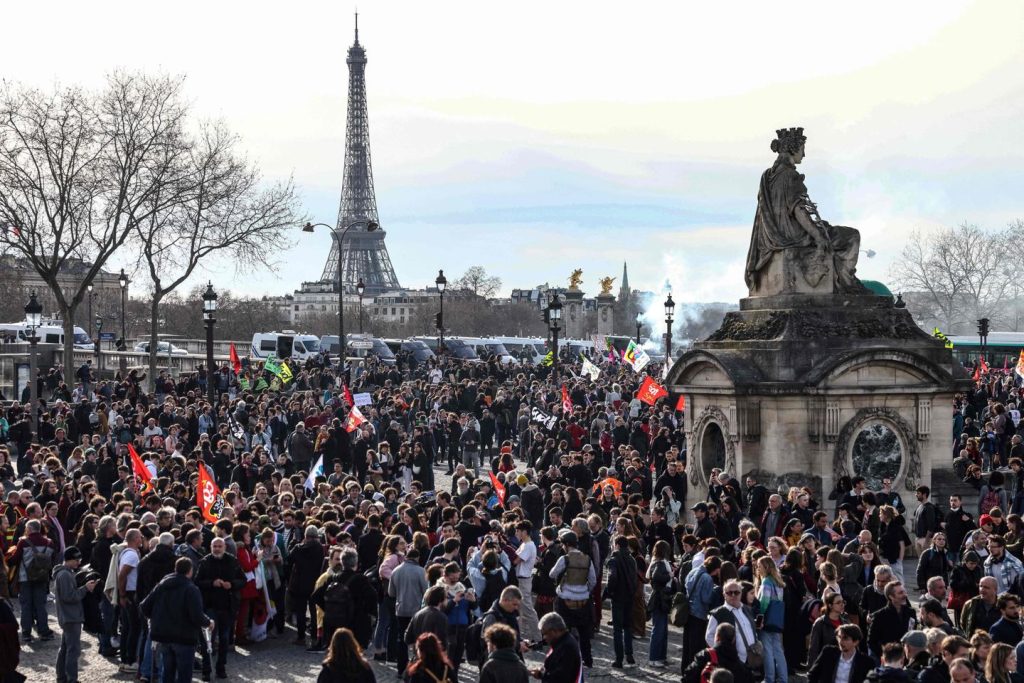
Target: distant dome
point(877, 287)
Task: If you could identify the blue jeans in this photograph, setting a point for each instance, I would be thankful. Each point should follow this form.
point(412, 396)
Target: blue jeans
point(68, 654)
point(659, 637)
point(622, 629)
point(109, 624)
point(775, 670)
point(384, 618)
point(33, 607)
point(177, 662)
point(150, 665)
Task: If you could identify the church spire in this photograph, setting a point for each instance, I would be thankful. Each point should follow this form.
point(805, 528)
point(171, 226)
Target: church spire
point(624, 290)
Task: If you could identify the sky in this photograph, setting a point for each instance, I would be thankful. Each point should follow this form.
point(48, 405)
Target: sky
point(553, 136)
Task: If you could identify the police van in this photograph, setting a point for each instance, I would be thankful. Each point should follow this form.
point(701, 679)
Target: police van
point(286, 344)
point(49, 332)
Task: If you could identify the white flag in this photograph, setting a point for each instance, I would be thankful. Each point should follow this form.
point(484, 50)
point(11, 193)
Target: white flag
point(640, 359)
point(317, 471)
point(591, 369)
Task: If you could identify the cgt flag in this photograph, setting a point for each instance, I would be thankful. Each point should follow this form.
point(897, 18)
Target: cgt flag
point(208, 496)
point(142, 472)
point(499, 488)
point(651, 391)
point(355, 418)
point(236, 362)
point(566, 403)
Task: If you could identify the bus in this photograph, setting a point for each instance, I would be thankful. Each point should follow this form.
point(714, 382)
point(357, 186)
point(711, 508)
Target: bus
point(1001, 350)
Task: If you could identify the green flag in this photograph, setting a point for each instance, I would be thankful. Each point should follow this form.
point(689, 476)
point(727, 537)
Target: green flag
point(271, 365)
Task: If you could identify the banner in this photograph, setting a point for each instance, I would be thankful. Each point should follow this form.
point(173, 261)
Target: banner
point(236, 362)
point(286, 373)
point(944, 338)
point(362, 399)
point(272, 365)
point(1020, 364)
point(681, 404)
point(590, 369)
point(348, 395)
point(208, 496)
point(140, 470)
point(636, 356)
point(538, 415)
point(317, 471)
point(566, 403)
point(354, 419)
point(236, 429)
point(650, 391)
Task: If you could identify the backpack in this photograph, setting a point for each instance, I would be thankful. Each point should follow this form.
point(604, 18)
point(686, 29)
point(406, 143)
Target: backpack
point(710, 667)
point(373, 576)
point(338, 603)
point(679, 613)
point(39, 564)
point(495, 583)
point(990, 500)
point(475, 642)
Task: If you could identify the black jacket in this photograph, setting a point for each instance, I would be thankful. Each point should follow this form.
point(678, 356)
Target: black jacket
point(889, 625)
point(226, 569)
point(369, 547)
point(563, 661)
point(726, 660)
point(824, 668)
point(157, 564)
point(622, 578)
point(175, 611)
point(305, 563)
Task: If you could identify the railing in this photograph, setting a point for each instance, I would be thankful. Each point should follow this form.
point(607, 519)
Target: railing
point(110, 361)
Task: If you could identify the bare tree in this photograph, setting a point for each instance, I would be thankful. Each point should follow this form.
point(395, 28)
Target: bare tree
point(221, 209)
point(959, 274)
point(477, 280)
point(80, 170)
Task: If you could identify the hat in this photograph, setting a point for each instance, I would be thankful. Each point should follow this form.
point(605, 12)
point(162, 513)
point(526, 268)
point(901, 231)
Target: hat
point(512, 498)
point(568, 537)
point(72, 552)
point(972, 556)
point(522, 480)
point(916, 639)
point(700, 507)
point(378, 496)
point(806, 536)
point(985, 519)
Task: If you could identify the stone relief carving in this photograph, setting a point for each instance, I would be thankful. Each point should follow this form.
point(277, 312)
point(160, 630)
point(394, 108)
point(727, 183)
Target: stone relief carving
point(812, 324)
point(695, 464)
point(908, 438)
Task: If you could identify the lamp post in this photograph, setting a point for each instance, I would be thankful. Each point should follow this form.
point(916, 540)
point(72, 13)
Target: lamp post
point(96, 348)
point(670, 311)
point(122, 280)
point(554, 315)
point(371, 226)
point(209, 309)
point(441, 282)
point(89, 288)
point(639, 322)
point(33, 317)
point(360, 287)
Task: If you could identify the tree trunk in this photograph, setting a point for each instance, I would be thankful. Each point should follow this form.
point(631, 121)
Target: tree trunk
point(153, 339)
point(67, 315)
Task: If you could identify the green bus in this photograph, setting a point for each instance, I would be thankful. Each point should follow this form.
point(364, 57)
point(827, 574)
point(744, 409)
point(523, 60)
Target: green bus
point(1002, 349)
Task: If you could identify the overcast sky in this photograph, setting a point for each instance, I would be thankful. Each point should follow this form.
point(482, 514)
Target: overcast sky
point(580, 134)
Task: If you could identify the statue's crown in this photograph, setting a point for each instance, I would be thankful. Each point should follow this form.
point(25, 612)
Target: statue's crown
point(788, 140)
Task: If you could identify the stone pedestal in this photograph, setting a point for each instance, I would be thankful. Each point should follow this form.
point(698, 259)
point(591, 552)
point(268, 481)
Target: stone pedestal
point(605, 314)
point(572, 313)
point(801, 389)
point(796, 271)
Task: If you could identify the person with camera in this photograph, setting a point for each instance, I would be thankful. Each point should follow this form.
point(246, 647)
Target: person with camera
point(68, 596)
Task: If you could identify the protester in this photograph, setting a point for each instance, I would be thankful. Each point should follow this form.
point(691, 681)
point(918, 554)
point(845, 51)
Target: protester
point(68, 597)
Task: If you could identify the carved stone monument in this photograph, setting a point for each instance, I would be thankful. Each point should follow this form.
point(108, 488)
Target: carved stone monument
point(606, 308)
point(814, 377)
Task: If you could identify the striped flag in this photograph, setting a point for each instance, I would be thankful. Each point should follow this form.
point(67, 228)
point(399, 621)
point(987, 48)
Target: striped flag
point(317, 471)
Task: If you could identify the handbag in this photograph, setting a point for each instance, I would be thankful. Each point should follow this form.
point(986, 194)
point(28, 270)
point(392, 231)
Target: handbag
point(755, 651)
point(680, 610)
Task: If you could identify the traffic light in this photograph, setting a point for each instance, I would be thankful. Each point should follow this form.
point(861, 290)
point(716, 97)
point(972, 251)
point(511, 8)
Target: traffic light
point(983, 327)
point(437, 321)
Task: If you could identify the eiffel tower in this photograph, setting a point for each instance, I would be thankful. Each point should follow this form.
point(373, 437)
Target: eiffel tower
point(365, 255)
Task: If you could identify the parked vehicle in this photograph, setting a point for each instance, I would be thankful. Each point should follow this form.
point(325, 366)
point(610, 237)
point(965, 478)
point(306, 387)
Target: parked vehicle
point(359, 346)
point(485, 346)
point(286, 344)
point(162, 348)
point(419, 350)
point(525, 349)
point(50, 332)
point(453, 348)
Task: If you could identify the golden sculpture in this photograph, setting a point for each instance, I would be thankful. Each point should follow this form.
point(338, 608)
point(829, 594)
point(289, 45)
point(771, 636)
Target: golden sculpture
point(576, 279)
point(606, 284)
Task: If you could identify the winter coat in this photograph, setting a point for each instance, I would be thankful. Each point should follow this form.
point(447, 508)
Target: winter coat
point(226, 569)
point(504, 666)
point(175, 611)
point(68, 596)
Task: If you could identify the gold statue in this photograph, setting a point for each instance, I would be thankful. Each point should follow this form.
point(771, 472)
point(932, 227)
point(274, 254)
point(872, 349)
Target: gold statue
point(606, 284)
point(576, 279)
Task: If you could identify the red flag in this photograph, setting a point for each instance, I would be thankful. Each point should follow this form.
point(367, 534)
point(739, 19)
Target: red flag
point(681, 404)
point(977, 372)
point(355, 418)
point(142, 472)
point(348, 395)
point(651, 391)
point(1006, 363)
point(984, 366)
point(566, 403)
point(236, 362)
point(208, 496)
point(499, 488)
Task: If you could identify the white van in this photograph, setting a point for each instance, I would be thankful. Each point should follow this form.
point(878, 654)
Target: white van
point(525, 349)
point(359, 346)
point(286, 344)
point(485, 346)
point(50, 332)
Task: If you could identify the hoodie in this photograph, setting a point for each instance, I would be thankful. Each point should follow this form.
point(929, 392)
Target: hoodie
point(68, 596)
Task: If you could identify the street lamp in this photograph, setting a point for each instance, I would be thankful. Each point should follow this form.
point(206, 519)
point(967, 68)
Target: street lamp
point(639, 322)
point(122, 280)
point(670, 311)
point(554, 315)
point(33, 318)
point(441, 282)
point(371, 226)
point(209, 309)
point(360, 287)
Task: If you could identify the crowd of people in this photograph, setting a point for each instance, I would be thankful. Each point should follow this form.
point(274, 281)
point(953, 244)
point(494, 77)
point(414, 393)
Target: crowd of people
point(175, 531)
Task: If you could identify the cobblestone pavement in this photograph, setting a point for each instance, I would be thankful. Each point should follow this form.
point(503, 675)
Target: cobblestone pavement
point(277, 659)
